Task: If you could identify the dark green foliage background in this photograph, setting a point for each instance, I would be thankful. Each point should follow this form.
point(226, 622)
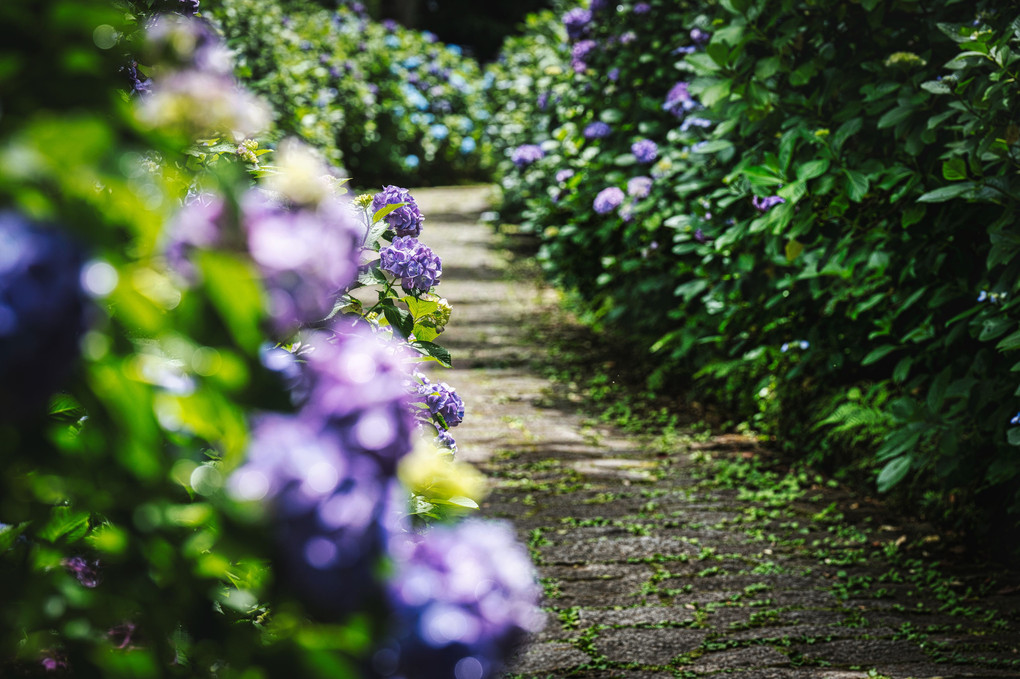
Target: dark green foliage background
point(890, 129)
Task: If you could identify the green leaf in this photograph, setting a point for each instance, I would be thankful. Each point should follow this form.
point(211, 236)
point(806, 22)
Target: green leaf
point(793, 250)
point(893, 472)
point(420, 307)
point(1010, 342)
point(857, 185)
point(845, 131)
point(912, 215)
point(902, 370)
point(760, 175)
point(896, 115)
point(235, 292)
point(766, 68)
point(812, 169)
point(1013, 436)
point(937, 391)
point(994, 327)
point(945, 193)
point(385, 210)
point(936, 87)
point(401, 320)
point(435, 351)
point(878, 353)
point(954, 169)
point(712, 146)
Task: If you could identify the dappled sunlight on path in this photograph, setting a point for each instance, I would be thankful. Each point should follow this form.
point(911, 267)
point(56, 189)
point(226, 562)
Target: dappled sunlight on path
point(679, 557)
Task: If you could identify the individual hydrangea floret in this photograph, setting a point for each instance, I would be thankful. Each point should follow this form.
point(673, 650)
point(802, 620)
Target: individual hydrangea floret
point(526, 154)
point(442, 400)
point(645, 150)
point(576, 22)
point(413, 262)
point(406, 220)
point(639, 187)
point(85, 571)
point(679, 100)
point(700, 37)
point(42, 312)
point(765, 204)
point(465, 598)
point(597, 130)
point(608, 200)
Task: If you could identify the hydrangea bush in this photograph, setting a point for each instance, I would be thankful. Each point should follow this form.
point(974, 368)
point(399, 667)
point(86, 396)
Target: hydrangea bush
point(221, 457)
point(837, 173)
point(384, 102)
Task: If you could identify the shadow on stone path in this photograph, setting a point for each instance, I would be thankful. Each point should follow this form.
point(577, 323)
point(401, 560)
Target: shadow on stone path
point(681, 558)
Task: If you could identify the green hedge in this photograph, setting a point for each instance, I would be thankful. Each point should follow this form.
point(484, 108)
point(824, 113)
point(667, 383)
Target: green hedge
point(871, 317)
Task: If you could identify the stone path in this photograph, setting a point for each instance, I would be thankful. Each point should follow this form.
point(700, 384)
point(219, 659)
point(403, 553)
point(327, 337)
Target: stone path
point(682, 556)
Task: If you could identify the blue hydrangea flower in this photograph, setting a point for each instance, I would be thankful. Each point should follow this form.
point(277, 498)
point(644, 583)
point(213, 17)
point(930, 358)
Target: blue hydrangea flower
point(765, 204)
point(597, 130)
point(442, 400)
point(526, 154)
point(42, 312)
point(608, 200)
point(467, 145)
point(465, 597)
point(581, 50)
point(645, 150)
point(1015, 420)
point(679, 100)
point(406, 220)
point(413, 262)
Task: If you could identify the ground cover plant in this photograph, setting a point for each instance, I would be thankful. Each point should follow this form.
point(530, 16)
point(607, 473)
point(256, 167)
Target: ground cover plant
point(221, 455)
point(387, 103)
point(805, 205)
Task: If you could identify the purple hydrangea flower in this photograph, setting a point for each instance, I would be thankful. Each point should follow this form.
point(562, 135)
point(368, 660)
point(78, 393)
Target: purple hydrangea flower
point(85, 571)
point(576, 22)
point(42, 312)
point(306, 256)
point(700, 37)
point(608, 200)
point(413, 262)
point(599, 5)
point(445, 440)
point(645, 150)
point(639, 187)
point(766, 203)
point(597, 130)
point(407, 219)
point(137, 83)
point(327, 501)
point(526, 155)
point(642, 8)
point(465, 597)
point(613, 75)
point(579, 53)
point(564, 175)
point(699, 236)
point(442, 400)
point(679, 100)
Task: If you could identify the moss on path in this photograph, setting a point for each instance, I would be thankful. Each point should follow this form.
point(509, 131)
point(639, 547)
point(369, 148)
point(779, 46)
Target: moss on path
point(685, 556)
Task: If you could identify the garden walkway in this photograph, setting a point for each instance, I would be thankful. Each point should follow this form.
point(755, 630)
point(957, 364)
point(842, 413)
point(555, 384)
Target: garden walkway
point(679, 556)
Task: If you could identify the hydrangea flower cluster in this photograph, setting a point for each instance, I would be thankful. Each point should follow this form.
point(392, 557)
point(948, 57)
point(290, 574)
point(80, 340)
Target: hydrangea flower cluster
point(579, 53)
point(679, 100)
point(42, 311)
point(642, 8)
point(576, 22)
point(608, 199)
point(463, 600)
point(639, 187)
point(645, 150)
point(597, 130)
point(764, 204)
point(526, 154)
point(563, 175)
point(413, 262)
point(198, 96)
point(443, 401)
point(306, 255)
point(407, 219)
point(327, 470)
